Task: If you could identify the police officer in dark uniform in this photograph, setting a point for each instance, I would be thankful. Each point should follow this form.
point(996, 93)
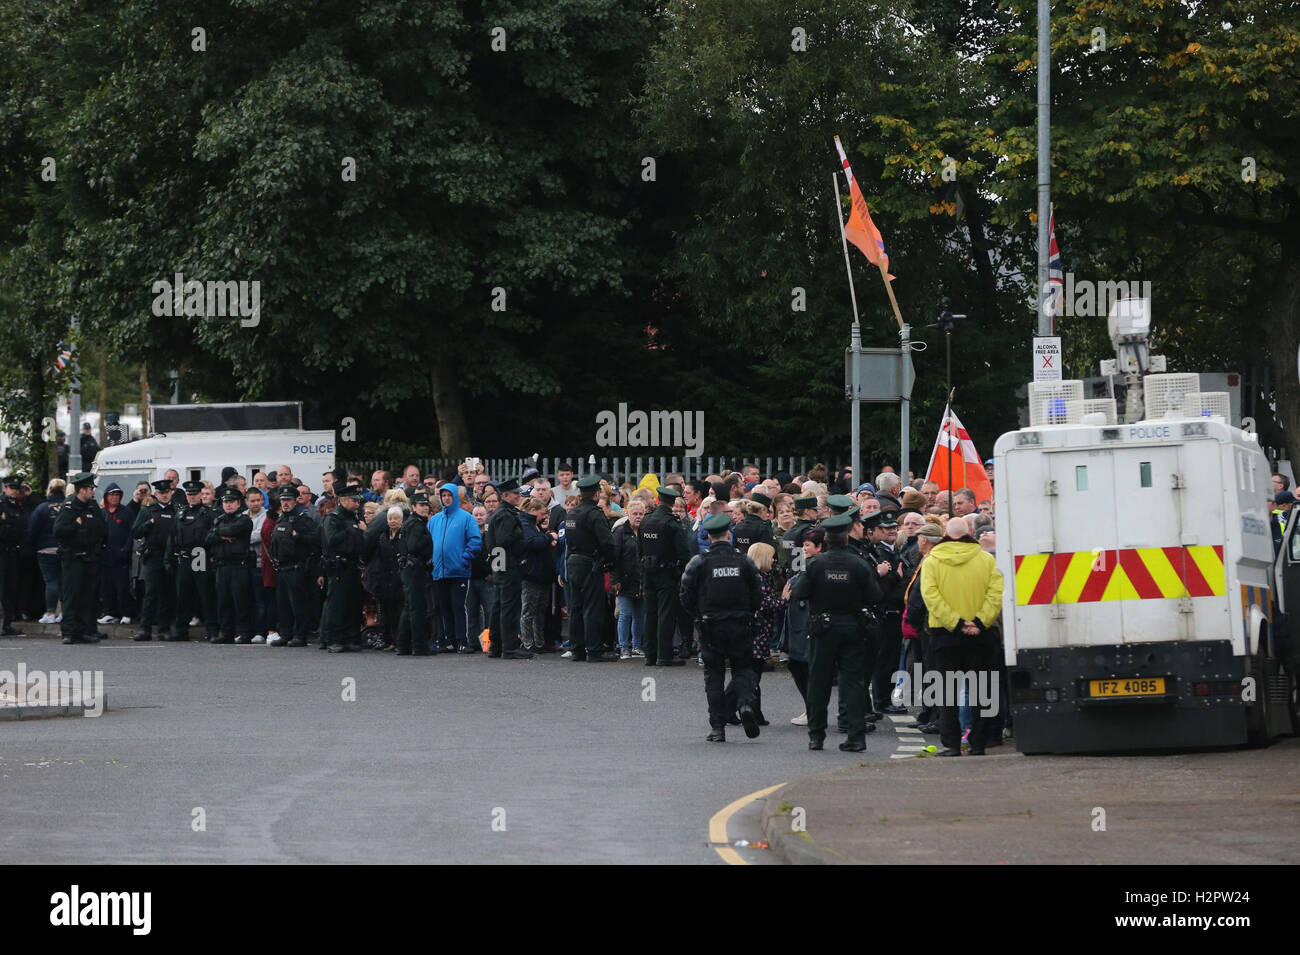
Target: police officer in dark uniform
point(195, 595)
point(81, 532)
point(791, 549)
point(859, 545)
point(507, 563)
point(720, 587)
point(839, 586)
point(342, 540)
point(295, 552)
point(414, 552)
point(152, 532)
point(883, 530)
point(754, 528)
point(664, 552)
point(13, 528)
point(229, 555)
point(589, 546)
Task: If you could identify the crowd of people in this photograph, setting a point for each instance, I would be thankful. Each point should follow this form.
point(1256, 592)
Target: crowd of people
point(465, 562)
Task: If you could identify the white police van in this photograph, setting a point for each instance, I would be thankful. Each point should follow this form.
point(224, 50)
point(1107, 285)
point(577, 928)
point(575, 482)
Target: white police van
point(198, 441)
point(1140, 586)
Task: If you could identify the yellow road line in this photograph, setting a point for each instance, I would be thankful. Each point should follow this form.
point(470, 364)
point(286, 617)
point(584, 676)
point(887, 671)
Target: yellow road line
point(718, 824)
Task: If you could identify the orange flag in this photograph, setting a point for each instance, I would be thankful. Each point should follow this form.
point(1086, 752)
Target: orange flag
point(860, 230)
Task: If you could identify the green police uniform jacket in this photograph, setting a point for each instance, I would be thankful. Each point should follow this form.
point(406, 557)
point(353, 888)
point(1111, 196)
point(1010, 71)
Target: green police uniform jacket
point(342, 541)
point(587, 533)
point(663, 541)
point(507, 534)
point(80, 530)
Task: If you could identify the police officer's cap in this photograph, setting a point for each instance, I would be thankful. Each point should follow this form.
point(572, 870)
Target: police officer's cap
point(13, 480)
point(84, 479)
point(889, 517)
point(718, 522)
point(761, 498)
point(839, 503)
point(353, 490)
point(838, 522)
point(588, 481)
point(231, 494)
point(1282, 497)
point(669, 493)
point(287, 493)
point(193, 487)
point(804, 503)
point(419, 497)
point(871, 521)
point(162, 485)
point(509, 484)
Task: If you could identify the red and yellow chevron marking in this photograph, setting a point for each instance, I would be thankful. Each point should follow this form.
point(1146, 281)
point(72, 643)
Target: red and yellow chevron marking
point(1142, 573)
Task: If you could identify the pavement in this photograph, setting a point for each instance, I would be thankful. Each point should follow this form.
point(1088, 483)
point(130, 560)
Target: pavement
point(1228, 807)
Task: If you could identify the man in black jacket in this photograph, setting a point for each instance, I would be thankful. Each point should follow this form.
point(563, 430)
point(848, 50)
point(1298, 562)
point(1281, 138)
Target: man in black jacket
point(589, 548)
point(664, 552)
point(506, 561)
point(79, 529)
point(720, 587)
point(228, 544)
point(152, 530)
point(13, 528)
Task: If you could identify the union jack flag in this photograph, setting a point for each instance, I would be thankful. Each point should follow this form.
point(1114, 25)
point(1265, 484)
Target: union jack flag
point(61, 360)
point(1055, 272)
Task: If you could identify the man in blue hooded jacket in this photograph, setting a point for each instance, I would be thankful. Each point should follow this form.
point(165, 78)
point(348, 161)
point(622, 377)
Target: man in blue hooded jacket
point(456, 542)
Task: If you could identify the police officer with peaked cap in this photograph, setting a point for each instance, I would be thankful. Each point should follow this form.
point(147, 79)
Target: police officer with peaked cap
point(883, 530)
point(230, 556)
point(752, 529)
point(507, 563)
point(13, 530)
point(295, 552)
point(589, 547)
point(664, 552)
point(187, 552)
point(152, 531)
point(838, 586)
point(342, 542)
point(81, 532)
point(720, 587)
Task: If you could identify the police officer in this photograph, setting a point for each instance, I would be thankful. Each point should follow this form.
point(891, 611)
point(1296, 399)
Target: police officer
point(13, 526)
point(152, 532)
point(838, 585)
point(720, 587)
point(805, 514)
point(664, 552)
point(228, 544)
point(589, 546)
point(882, 528)
point(754, 528)
point(342, 540)
point(507, 563)
point(81, 532)
point(414, 552)
point(295, 552)
point(195, 593)
point(860, 546)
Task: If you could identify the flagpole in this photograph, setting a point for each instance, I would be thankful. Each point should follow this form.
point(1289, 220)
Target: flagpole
point(1046, 321)
point(855, 345)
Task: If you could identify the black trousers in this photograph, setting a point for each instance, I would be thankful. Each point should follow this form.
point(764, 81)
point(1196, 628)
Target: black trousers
point(799, 673)
point(726, 643)
point(80, 596)
point(115, 591)
point(973, 656)
point(9, 589)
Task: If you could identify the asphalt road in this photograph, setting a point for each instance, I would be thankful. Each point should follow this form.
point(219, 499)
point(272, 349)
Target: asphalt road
point(416, 769)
